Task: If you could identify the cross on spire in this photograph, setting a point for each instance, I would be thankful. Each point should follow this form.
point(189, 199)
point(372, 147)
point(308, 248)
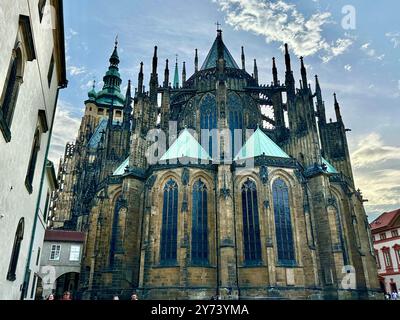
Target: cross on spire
point(116, 40)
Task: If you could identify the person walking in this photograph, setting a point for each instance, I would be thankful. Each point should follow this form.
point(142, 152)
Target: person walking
point(67, 296)
point(134, 296)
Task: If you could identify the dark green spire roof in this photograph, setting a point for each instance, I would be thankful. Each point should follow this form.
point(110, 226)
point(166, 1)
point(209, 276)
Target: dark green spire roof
point(111, 93)
point(212, 57)
point(176, 75)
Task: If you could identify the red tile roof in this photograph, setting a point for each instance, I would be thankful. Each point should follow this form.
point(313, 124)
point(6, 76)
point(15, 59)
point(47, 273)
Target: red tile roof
point(65, 236)
point(384, 220)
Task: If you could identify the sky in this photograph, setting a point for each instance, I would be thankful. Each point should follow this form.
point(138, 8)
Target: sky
point(353, 46)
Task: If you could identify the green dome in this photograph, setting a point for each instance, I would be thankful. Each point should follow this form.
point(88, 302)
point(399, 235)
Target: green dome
point(92, 94)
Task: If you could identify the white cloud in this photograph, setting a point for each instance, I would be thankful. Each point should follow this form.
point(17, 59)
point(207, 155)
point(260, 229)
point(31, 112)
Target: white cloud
point(394, 38)
point(75, 71)
point(347, 67)
point(372, 149)
point(65, 130)
point(377, 173)
point(87, 85)
point(281, 22)
point(73, 32)
point(371, 52)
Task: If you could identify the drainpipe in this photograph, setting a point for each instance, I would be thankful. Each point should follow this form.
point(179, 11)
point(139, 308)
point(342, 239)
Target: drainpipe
point(27, 273)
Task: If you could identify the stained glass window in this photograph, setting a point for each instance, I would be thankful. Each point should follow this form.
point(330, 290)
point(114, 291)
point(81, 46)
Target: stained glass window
point(114, 231)
point(235, 119)
point(251, 225)
point(199, 224)
point(169, 229)
point(208, 117)
point(283, 224)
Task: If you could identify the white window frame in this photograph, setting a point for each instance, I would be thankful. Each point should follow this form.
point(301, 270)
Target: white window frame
point(78, 252)
point(53, 248)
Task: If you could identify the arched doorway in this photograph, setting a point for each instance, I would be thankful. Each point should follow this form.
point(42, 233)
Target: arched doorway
point(67, 282)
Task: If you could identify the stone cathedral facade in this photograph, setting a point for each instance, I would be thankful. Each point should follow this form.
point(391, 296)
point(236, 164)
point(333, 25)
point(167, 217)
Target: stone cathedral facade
point(290, 226)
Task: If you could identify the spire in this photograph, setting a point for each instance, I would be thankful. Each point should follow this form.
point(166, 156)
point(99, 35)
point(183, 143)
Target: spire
point(243, 60)
point(92, 93)
point(128, 90)
point(114, 59)
point(155, 61)
point(274, 72)
point(112, 79)
point(287, 59)
point(128, 107)
point(176, 75)
point(289, 79)
point(154, 79)
point(140, 79)
point(184, 73)
point(166, 74)
point(337, 109)
point(303, 73)
point(318, 92)
point(255, 72)
point(320, 103)
point(196, 61)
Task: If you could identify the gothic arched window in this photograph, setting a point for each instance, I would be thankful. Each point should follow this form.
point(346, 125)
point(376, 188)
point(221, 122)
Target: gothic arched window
point(235, 109)
point(251, 225)
point(208, 117)
point(116, 241)
point(336, 229)
point(19, 235)
point(169, 229)
point(199, 223)
point(10, 93)
point(283, 223)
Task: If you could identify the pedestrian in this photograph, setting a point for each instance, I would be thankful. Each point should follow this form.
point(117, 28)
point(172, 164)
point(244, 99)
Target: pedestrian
point(134, 296)
point(67, 296)
point(50, 297)
point(394, 295)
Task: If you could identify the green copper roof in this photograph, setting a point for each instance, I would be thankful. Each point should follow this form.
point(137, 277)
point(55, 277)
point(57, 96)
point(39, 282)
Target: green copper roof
point(330, 168)
point(92, 94)
point(260, 144)
point(176, 76)
point(121, 169)
point(212, 57)
point(110, 97)
point(186, 146)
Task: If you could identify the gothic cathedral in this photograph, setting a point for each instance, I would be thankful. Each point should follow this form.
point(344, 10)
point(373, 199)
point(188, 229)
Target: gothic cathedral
point(201, 221)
